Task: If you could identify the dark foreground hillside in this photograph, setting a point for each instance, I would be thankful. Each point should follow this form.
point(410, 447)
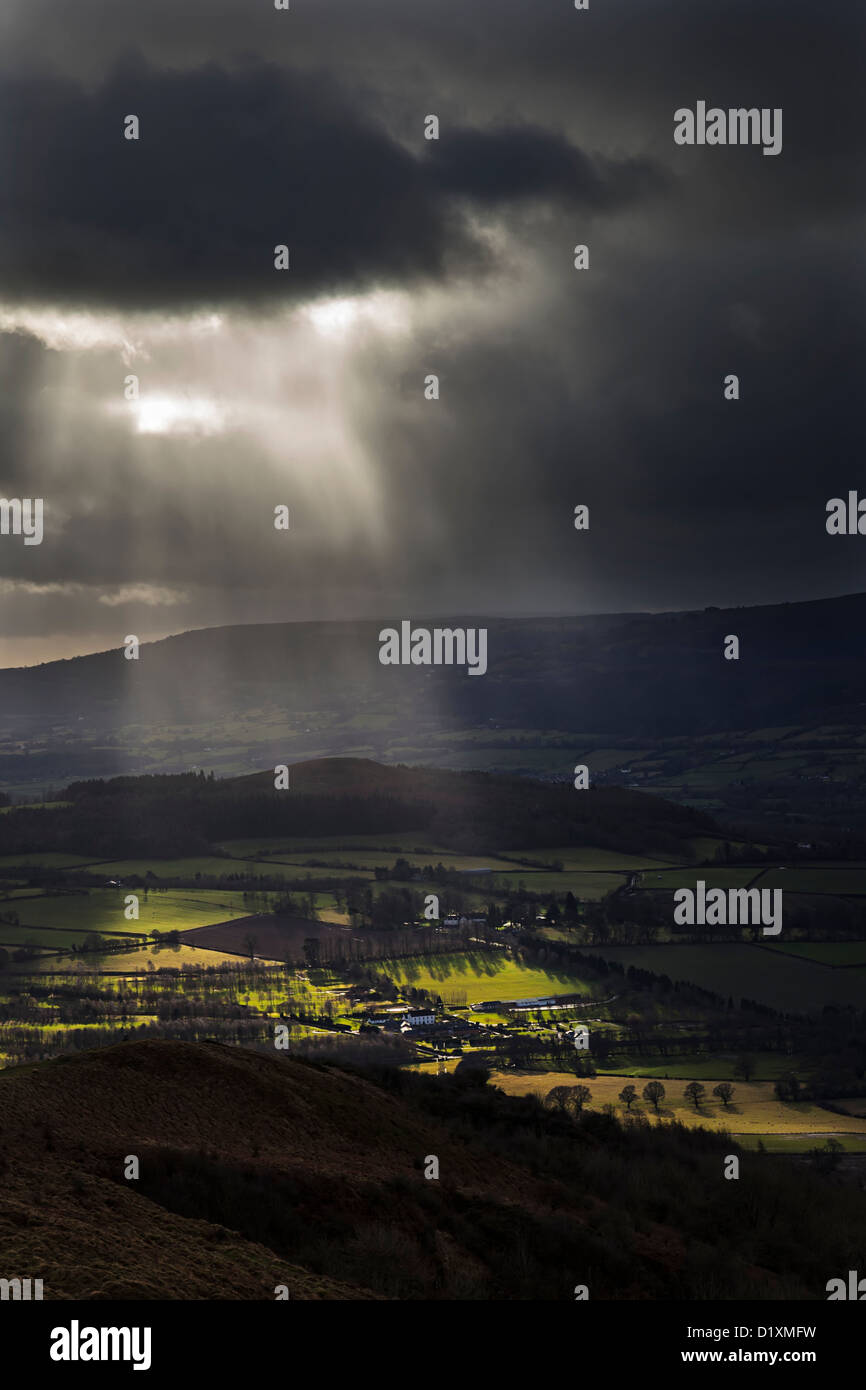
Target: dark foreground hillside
point(258, 1171)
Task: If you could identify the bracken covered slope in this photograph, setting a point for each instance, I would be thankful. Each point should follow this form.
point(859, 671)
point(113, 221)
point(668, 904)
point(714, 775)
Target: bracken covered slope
point(259, 1170)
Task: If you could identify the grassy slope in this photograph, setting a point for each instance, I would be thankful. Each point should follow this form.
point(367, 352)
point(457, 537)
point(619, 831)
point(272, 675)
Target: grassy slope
point(481, 975)
point(102, 910)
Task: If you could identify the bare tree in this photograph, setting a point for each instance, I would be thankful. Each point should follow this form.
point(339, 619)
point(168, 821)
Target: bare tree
point(696, 1091)
point(654, 1092)
point(579, 1097)
point(628, 1096)
point(557, 1097)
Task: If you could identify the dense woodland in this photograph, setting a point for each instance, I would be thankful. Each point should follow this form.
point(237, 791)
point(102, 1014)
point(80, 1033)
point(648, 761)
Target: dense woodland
point(189, 813)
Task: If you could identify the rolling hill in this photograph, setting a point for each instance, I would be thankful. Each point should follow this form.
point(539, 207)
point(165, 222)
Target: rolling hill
point(652, 673)
point(257, 1171)
point(186, 813)
point(642, 699)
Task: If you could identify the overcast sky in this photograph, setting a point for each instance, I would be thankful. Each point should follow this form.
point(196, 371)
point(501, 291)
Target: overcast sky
point(305, 387)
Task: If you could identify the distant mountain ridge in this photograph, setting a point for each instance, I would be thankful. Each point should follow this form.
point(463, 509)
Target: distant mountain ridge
point(317, 689)
point(226, 665)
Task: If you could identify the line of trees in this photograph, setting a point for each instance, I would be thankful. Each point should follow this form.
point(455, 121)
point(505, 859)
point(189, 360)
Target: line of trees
point(573, 1099)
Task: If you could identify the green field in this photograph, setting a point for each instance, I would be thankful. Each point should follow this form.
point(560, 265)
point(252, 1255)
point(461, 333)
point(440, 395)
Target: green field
point(667, 880)
point(57, 940)
point(188, 868)
point(585, 857)
point(769, 1066)
point(102, 910)
point(811, 879)
point(394, 842)
point(46, 859)
point(475, 976)
point(371, 859)
point(775, 978)
point(215, 867)
point(126, 1027)
point(841, 953)
point(134, 961)
point(588, 885)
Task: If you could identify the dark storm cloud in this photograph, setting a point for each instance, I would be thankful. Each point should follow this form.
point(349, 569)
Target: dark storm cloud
point(612, 396)
point(614, 73)
point(602, 387)
point(493, 167)
point(230, 164)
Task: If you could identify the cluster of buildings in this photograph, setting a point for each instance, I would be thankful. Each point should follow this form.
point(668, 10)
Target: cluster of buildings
point(452, 920)
point(423, 1025)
